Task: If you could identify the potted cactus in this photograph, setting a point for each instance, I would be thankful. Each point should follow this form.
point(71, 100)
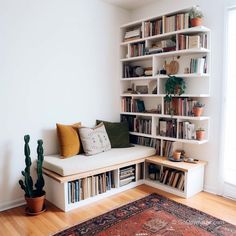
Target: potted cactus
point(200, 134)
point(198, 109)
point(196, 16)
point(34, 197)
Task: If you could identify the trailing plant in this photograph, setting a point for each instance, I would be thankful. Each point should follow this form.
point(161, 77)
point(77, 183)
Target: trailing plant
point(27, 184)
point(174, 86)
point(195, 12)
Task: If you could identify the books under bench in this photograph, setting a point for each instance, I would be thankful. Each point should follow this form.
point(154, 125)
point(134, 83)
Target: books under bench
point(88, 187)
point(167, 176)
point(127, 175)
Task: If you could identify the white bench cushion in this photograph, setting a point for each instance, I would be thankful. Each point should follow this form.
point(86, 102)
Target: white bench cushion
point(81, 163)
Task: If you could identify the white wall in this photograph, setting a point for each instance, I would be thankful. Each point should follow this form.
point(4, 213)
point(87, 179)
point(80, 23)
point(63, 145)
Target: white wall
point(59, 62)
point(214, 15)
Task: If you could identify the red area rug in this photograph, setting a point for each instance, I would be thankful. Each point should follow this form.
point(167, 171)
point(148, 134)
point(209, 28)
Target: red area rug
point(153, 215)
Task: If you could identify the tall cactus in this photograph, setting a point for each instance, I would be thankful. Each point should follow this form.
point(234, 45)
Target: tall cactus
point(27, 184)
point(40, 182)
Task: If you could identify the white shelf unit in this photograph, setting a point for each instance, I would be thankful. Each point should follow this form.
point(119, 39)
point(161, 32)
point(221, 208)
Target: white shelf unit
point(57, 187)
point(197, 84)
point(193, 176)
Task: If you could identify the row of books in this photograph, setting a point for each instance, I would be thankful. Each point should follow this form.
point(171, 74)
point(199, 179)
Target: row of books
point(133, 34)
point(198, 65)
point(192, 41)
point(180, 106)
point(186, 130)
point(137, 49)
point(167, 148)
point(132, 105)
point(149, 142)
point(143, 125)
point(127, 175)
point(138, 124)
point(168, 127)
point(152, 28)
point(172, 178)
point(176, 22)
point(90, 186)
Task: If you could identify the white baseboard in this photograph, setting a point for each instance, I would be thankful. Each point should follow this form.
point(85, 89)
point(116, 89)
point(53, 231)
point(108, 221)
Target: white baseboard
point(210, 189)
point(11, 204)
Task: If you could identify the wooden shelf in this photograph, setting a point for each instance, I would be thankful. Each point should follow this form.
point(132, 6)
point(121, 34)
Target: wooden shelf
point(182, 166)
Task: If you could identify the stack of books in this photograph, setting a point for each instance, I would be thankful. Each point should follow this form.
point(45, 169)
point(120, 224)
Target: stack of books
point(133, 34)
point(90, 186)
point(173, 178)
point(186, 130)
point(127, 175)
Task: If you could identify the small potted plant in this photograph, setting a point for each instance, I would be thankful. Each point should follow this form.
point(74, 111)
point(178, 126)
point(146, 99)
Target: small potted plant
point(198, 109)
point(200, 134)
point(174, 86)
point(34, 197)
point(196, 16)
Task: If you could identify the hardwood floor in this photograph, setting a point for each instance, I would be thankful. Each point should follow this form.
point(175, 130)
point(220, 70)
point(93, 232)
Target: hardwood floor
point(14, 222)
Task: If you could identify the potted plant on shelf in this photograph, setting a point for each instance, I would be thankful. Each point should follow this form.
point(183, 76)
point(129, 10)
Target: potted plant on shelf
point(34, 197)
point(200, 134)
point(174, 86)
point(198, 109)
point(196, 16)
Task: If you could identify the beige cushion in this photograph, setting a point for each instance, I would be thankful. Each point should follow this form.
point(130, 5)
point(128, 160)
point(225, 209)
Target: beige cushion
point(94, 140)
point(81, 163)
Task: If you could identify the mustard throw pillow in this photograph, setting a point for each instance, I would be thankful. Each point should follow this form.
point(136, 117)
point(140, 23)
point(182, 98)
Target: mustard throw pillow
point(68, 139)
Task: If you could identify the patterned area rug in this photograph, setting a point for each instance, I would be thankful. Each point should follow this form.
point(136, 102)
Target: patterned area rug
point(153, 215)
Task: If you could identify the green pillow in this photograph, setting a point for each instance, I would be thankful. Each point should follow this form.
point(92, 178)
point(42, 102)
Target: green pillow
point(118, 133)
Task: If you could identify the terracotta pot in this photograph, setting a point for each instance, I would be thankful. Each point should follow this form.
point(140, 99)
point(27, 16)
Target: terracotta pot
point(197, 111)
point(35, 204)
point(176, 155)
point(200, 134)
point(196, 22)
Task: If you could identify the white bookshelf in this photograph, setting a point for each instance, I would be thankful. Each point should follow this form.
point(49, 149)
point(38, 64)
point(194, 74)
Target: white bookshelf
point(193, 176)
point(197, 84)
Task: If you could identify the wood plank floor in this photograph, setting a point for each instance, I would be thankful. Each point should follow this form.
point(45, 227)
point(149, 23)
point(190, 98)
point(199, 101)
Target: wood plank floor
point(14, 222)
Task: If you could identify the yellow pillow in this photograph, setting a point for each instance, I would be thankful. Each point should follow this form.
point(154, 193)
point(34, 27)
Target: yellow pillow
point(69, 139)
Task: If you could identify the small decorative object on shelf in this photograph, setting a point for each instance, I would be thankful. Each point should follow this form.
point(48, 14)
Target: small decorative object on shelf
point(34, 197)
point(198, 109)
point(176, 155)
point(196, 16)
point(200, 134)
point(174, 86)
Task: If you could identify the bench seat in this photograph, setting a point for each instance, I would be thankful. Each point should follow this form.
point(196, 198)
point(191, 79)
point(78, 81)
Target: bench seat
point(82, 163)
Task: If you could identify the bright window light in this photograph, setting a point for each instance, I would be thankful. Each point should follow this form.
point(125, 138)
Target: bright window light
point(230, 106)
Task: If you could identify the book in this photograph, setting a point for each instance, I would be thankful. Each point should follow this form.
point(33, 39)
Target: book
point(175, 179)
point(194, 41)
